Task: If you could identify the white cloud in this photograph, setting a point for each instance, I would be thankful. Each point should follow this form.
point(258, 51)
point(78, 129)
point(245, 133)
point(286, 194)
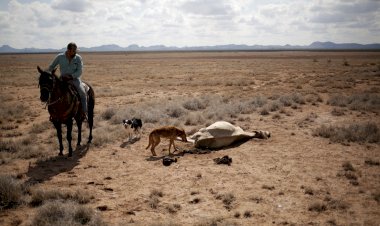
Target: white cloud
point(53, 23)
point(71, 5)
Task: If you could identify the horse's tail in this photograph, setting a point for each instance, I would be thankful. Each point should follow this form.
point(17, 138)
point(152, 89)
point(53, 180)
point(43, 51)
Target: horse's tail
point(90, 110)
point(91, 105)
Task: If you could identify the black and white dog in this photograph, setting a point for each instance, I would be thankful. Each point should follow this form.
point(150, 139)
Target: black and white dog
point(135, 124)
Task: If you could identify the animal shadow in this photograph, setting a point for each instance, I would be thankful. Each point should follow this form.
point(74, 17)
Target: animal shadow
point(44, 170)
point(130, 141)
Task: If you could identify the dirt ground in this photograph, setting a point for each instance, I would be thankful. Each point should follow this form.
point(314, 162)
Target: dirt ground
point(292, 178)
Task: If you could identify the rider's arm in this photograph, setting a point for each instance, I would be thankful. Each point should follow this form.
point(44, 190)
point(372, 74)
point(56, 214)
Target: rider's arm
point(79, 65)
point(54, 64)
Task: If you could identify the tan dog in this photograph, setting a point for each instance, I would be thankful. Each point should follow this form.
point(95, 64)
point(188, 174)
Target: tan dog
point(169, 132)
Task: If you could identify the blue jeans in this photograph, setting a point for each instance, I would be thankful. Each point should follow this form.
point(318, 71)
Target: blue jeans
point(82, 93)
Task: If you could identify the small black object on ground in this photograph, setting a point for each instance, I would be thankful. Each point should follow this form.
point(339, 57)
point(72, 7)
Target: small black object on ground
point(167, 161)
point(224, 160)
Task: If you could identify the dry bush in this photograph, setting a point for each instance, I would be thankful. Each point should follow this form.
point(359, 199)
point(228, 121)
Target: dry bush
point(22, 147)
point(194, 118)
point(317, 207)
point(337, 112)
point(107, 134)
point(11, 192)
point(175, 110)
point(259, 101)
point(360, 133)
point(358, 102)
point(12, 112)
point(227, 200)
point(194, 104)
point(41, 196)
point(66, 214)
point(275, 105)
point(108, 113)
point(173, 208)
point(154, 198)
point(371, 162)
point(298, 98)
point(376, 196)
point(40, 127)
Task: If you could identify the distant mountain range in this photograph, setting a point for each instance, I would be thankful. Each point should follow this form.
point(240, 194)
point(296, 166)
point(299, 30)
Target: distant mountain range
point(231, 47)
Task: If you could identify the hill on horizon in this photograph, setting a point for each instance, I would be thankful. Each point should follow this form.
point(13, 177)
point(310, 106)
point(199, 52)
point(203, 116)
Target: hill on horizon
point(230, 47)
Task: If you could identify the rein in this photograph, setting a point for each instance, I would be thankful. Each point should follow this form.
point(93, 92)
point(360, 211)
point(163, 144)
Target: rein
point(48, 102)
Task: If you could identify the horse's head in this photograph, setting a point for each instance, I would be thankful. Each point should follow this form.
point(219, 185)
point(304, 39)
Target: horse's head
point(46, 83)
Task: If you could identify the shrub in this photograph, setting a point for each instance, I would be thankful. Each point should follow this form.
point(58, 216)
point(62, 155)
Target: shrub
point(108, 113)
point(175, 110)
point(69, 213)
point(364, 132)
point(298, 98)
point(317, 207)
point(259, 101)
point(41, 196)
point(194, 105)
point(10, 192)
point(227, 200)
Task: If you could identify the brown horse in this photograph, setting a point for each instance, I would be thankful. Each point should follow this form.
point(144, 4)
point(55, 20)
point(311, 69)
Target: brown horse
point(64, 105)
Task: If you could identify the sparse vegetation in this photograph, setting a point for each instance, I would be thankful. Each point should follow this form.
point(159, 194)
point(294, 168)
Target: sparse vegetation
point(227, 200)
point(41, 196)
point(11, 192)
point(361, 133)
point(299, 93)
point(66, 213)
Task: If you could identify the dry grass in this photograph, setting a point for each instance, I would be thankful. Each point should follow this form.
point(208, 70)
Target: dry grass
point(11, 192)
point(41, 196)
point(66, 214)
point(294, 95)
point(361, 133)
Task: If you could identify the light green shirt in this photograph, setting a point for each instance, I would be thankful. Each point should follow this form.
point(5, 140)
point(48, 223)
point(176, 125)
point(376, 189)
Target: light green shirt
point(74, 67)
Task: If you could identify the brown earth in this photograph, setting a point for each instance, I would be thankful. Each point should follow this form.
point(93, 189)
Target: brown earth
point(293, 178)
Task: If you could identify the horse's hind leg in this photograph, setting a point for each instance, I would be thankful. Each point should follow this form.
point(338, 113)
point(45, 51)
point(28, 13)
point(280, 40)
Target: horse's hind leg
point(69, 125)
point(58, 127)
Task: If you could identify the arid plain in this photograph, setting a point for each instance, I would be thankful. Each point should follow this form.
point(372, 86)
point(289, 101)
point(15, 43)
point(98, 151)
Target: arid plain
point(321, 166)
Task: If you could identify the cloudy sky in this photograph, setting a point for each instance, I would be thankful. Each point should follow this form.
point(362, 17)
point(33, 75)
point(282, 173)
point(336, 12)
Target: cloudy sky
point(54, 23)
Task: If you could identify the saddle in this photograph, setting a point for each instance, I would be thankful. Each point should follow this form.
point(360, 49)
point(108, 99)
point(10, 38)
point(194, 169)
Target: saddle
point(71, 87)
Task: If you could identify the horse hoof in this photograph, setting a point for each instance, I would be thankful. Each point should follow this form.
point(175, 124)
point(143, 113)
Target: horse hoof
point(60, 154)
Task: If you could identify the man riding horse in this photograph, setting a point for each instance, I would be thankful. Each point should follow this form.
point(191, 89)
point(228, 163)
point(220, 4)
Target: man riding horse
point(70, 64)
point(62, 101)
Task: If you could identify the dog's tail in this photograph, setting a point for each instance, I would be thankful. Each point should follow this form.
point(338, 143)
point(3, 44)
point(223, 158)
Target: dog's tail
point(150, 141)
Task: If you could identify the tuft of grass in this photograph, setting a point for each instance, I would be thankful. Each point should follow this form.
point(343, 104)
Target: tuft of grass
point(173, 208)
point(247, 214)
point(317, 207)
point(227, 200)
point(174, 110)
point(154, 198)
point(108, 113)
point(357, 102)
point(66, 213)
point(337, 112)
point(347, 166)
point(194, 105)
point(41, 127)
point(11, 192)
point(41, 196)
point(371, 162)
point(360, 133)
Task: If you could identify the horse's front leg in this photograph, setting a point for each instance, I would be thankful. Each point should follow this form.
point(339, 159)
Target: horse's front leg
point(58, 127)
point(69, 125)
point(79, 126)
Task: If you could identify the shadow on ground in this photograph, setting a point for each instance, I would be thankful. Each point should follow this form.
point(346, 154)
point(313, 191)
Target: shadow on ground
point(44, 170)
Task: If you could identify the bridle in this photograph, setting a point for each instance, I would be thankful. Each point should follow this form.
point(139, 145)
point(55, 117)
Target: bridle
point(47, 87)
